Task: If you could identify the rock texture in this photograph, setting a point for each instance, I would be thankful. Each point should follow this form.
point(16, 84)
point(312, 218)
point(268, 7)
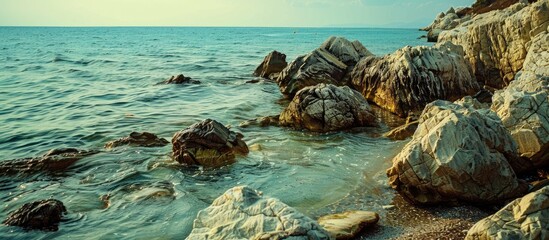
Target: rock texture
point(261, 122)
point(55, 160)
point(325, 107)
point(142, 139)
point(271, 66)
point(207, 143)
point(405, 131)
point(496, 42)
point(524, 105)
point(330, 64)
point(40, 215)
point(242, 213)
point(523, 218)
point(457, 154)
point(444, 21)
point(181, 79)
point(408, 79)
point(349, 224)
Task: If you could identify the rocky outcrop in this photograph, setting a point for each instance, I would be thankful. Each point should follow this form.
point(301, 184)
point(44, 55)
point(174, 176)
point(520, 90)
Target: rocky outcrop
point(181, 79)
point(524, 105)
point(443, 21)
point(412, 77)
point(330, 64)
point(271, 66)
point(457, 154)
point(207, 143)
point(496, 42)
point(41, 215)
point(523, 218)
point(141, 139)
point(242, 213)
point(53, 161)
point(349, 224)
point(325, 107)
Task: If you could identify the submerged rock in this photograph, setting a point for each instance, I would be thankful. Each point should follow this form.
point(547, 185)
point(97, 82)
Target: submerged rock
point(349, 224)
point(457, 154)
point(262, 122)
point(410, 78)
point(523, 218)
point(181, 79)
point(242, 213)
point(40, 215)
point(325, 107)
point(271, 66)
point(142, 139)
point(53, 161)
point(207, 143)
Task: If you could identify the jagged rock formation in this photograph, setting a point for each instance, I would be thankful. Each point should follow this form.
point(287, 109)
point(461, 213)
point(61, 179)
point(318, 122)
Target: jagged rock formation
point(271, 66)
point(325, 107)
point(349, 224)
point(412, 77)
point(41, 215)
point(242, 213)
point(444, 21)
point(346, 51)
point(54, 160)
point(142, 139)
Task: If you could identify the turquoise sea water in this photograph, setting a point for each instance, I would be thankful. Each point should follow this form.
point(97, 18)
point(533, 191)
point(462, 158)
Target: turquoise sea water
point(83, 87)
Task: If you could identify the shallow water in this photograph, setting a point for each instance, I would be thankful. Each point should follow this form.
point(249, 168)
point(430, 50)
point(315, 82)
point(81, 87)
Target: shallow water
point(82, 87)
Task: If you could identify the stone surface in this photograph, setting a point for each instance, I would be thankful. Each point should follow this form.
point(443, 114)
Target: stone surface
point(261, 122)
point(523, 218)
point(349, 224)
point(496, 42)
point(242, 213)
point(346, 51)
point(142, 139)
point(180, 79)
point(40, 215)
point(405, 131)
point(457, 154)
point(55, 160)
point(207, 143)
point(273, 64)
point(443, 21)
point(326, 107)
point(408, 79)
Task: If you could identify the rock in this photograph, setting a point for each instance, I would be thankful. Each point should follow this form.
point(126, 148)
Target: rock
point(40, 215)
point(349, 224)
point(451, 11)
point(443, 21)
point(53, 161)
point(272, 64)
point(325, 107)
point(180, 79)
point(412, 77)
point(242, 213)
point(261, 121)
point(496, 42)
point(484, 96)
point(405, 131)
point(524, 105)
point(141, 139)
point(207, 143)
point(457, 154)
point(346, 51)
point(523, 218)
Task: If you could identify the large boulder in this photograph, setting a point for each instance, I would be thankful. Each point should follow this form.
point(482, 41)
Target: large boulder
point(207, 143)
point(271, 66)
point(242, 213)
point(346, 51)
point(53, 161)
point(41, 215)
point(410, 78)
point(142, 139)
point(325, 107)
point(523, 218)
point(348, 225)
point(443, 22)
point(496, 42)
point(524, 105)
point(457, 154)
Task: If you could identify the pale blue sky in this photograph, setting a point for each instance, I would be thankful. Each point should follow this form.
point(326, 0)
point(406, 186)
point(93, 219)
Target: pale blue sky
point(268, 13)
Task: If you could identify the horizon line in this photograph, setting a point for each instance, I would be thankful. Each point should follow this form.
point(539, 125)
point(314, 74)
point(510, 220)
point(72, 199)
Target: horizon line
point(175, 26)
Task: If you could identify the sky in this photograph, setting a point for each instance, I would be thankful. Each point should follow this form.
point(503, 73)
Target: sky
point(260, 13)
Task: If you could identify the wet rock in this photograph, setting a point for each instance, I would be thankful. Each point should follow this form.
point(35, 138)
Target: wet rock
point(40, 215)
point(412, 77)
point(457, 154)
point(181, 79)
point(271, 66)
point(242, 213)
point(349, 224)
point(207, 143)
point(53, 161)
point(325, 107)
point(405, 131)
point(261, 122)
point(141, 139)
point(523, 218)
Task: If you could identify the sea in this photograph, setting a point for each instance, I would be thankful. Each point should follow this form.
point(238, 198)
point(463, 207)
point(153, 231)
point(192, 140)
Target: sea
point(82, 87)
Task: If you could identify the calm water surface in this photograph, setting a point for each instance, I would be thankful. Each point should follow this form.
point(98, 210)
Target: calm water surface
point(83, 87)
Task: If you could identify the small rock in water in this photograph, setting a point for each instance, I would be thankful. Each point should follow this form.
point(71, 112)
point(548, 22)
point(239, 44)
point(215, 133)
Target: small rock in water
point(181, 79)
point(142, 139)
point(271, 65)
point(53, 161)
point(41, 215)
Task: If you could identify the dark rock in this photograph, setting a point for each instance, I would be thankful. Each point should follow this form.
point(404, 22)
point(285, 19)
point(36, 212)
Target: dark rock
point(54, 160)
point(207, 143)
point(180, 79)
point(272, 64)
point(483, 96)
point(142, 139)
point(40, 215)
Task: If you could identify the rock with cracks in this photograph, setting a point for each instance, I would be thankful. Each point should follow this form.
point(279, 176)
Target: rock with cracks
point(142, 139)
point(39, 215)
point(271, 66)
